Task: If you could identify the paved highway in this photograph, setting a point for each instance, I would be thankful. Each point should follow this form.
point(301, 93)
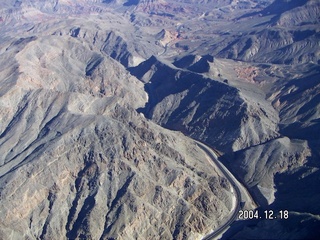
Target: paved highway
point(235, 186)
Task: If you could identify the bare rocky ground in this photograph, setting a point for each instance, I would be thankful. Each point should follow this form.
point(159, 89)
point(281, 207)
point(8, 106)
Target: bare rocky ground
point(79, 159)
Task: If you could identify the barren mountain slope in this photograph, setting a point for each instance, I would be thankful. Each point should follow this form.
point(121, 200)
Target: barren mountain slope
point(78, 161)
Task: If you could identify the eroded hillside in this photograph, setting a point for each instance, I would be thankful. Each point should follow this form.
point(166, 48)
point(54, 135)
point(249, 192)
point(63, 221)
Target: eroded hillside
point(78, 161)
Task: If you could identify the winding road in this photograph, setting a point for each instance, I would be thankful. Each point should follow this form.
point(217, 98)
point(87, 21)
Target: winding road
point(236, 186)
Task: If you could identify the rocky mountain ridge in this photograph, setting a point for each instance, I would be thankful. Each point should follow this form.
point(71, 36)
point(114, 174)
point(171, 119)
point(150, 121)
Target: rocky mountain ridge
point(79, 162)
point(199, 107)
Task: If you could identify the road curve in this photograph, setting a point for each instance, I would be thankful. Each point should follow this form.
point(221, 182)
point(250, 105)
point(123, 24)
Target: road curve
point(235, 186)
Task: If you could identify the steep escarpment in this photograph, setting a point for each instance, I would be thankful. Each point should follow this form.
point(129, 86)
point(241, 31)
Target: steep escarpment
point(204, 108)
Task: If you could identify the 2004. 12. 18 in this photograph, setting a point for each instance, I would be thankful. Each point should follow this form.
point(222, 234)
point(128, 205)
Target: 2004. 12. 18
point(266, 214)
